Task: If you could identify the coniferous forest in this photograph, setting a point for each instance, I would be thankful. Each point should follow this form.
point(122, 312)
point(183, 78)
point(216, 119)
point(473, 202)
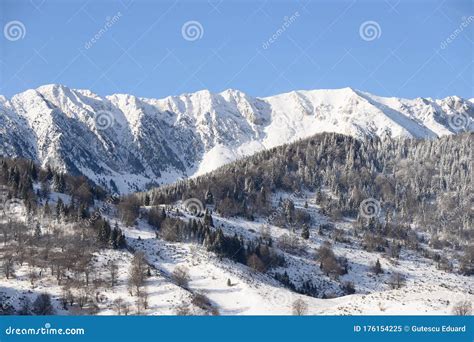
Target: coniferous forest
point(417, 186)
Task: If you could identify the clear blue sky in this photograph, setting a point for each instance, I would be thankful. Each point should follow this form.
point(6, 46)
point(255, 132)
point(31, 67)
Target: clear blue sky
point(144, 52)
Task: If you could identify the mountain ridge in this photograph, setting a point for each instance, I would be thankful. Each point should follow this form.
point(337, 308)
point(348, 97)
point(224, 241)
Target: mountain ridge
point(139, 142)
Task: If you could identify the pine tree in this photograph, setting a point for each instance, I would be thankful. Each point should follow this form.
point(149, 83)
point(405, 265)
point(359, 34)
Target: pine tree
point(104, 232)
point(146, 201)
point(37, 233)
point(113, 239)
point(305, 232)
point(209, 197)
point(82, 212)
point(377, 267)
point(42, 305)
point(60, 209)
point(119, 238)
point(208, 218)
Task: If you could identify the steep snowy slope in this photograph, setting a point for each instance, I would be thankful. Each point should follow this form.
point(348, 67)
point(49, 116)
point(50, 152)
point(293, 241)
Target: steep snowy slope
point(136, 142)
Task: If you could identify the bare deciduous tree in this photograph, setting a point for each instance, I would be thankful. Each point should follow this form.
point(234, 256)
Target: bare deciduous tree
point(255, 263)
point(183, 310)
point(137, 272)
point(118, 305)
point(181, 276)
point(462, 308)
point(397, 280)
point(299, 307)
point(82, 297)
point(8, 266)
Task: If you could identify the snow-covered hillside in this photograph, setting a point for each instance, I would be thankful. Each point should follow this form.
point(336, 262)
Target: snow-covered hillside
point(137, 142)
point(235, 289)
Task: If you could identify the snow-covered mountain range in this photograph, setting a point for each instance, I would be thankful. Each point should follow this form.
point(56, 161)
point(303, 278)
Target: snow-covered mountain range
point(137, 142)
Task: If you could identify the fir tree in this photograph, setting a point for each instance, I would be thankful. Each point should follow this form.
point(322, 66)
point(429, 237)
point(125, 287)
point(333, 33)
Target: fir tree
point(37, 233)
point(209, 197)
point(305, 232)
point(377, 267)
point(208, 218)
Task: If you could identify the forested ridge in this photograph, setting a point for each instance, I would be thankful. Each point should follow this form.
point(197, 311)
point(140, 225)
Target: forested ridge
point(419, 186)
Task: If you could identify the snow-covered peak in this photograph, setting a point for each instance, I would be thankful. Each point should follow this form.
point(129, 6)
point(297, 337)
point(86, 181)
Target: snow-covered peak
point(143, 140)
